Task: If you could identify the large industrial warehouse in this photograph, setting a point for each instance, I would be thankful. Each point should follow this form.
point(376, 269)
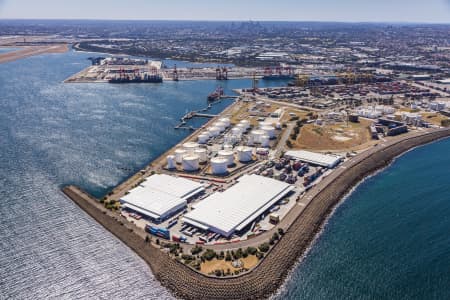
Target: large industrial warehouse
point(237, 207)
point(160, 196)
point(319, 159)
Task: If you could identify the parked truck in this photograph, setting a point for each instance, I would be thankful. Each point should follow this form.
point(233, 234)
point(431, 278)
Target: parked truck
point(159, 232)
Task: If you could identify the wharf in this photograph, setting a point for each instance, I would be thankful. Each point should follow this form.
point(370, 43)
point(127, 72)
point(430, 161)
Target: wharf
point(191, 115)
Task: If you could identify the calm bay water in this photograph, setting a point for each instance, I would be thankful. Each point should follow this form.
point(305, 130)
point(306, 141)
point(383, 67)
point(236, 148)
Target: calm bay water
point(393, 245)
point(92, 135)
point(6, 50)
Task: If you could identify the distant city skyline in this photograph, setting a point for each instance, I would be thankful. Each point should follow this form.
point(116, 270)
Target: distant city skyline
point(414, 11)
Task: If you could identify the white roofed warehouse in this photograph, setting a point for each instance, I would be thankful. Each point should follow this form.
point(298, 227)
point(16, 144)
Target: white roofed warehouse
point(161, 196)
point(237, 207)
point(318, 159)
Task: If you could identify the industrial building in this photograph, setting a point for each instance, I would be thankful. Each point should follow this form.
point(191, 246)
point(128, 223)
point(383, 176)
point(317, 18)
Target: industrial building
point(237, 207)
point(160, 196)
point(314, 158)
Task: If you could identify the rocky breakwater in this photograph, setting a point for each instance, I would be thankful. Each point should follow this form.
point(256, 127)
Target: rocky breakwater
point(269, 275)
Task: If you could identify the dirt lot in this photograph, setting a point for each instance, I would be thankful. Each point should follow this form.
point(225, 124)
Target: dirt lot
point(335, 137)
point(433, 118)
point(215, 264)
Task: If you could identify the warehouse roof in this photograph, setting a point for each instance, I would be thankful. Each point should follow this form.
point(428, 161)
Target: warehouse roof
point(160, 194)
point(239, 205)
point(324, 160)
point(175, 186)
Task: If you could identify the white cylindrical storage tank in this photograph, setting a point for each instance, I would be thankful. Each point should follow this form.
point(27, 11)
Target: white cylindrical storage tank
point(190, 147)
point(214, 131)
point(220, 125)
point(264, 141)
point(241, 127)
point(228, 154)
point(250, 141)
point(227, 147)
point(190, 163)
point(244, 154)
point(219, 165)
point(246, 124)
point(257, 134)
point(202, 155)
point(179, 153)
point(264, 124)
point(170, 161)
point(236, 131)
point(270, 131)
point(203, 138)
point(225, 121)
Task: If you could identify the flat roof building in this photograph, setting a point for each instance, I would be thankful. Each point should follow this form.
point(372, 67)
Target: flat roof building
point(160, 196)
point(237, 207)
point(319, 159)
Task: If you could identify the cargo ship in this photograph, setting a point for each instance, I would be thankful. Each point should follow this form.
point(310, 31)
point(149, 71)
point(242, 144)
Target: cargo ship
point(216, 94)
point(137, 79)
point(278, 77)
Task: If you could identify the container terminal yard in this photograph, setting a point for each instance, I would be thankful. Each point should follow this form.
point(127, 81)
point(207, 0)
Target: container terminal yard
point(221, 199)
point(112, 69)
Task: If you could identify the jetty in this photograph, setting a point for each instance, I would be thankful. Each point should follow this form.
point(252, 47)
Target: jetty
point(191, 115)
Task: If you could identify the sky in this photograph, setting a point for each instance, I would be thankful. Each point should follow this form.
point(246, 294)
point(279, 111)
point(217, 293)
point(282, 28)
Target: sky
point(416, 11)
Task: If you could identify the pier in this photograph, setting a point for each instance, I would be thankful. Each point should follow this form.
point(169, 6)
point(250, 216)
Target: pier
point(193, 114)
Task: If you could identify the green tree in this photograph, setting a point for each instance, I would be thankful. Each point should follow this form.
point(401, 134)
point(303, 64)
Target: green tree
point(264, 247)
point(196, 250)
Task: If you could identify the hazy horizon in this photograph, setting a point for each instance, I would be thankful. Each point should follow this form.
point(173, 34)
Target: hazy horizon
point(351, 11)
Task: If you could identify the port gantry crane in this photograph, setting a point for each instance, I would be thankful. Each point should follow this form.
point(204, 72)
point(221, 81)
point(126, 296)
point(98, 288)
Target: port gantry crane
point(221, 73)
point(175, 73)
point(254, 83)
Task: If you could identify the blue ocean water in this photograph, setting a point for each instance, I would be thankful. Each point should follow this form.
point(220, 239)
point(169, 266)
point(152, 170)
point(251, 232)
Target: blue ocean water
point(6, 50)
point(392, 245)
point(389, 240)
point(92, 135)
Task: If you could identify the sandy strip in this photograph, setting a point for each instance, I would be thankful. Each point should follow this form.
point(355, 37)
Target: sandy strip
point(32, 51)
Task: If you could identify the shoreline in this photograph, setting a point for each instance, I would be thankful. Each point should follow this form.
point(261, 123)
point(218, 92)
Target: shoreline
point(336, 207)
point(28, 51)
point(271, 273)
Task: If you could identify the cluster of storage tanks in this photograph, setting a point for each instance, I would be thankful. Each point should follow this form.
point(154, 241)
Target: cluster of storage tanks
point(215, 130)
point(226, 158)
point(264, 133)
point(190, 156)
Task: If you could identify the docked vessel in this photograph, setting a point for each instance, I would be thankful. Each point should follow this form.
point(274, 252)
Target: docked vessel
point(137, 79)
point(278, 77)
point(216, 94)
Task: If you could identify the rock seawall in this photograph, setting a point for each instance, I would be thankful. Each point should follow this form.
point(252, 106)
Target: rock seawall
point(269, 275)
